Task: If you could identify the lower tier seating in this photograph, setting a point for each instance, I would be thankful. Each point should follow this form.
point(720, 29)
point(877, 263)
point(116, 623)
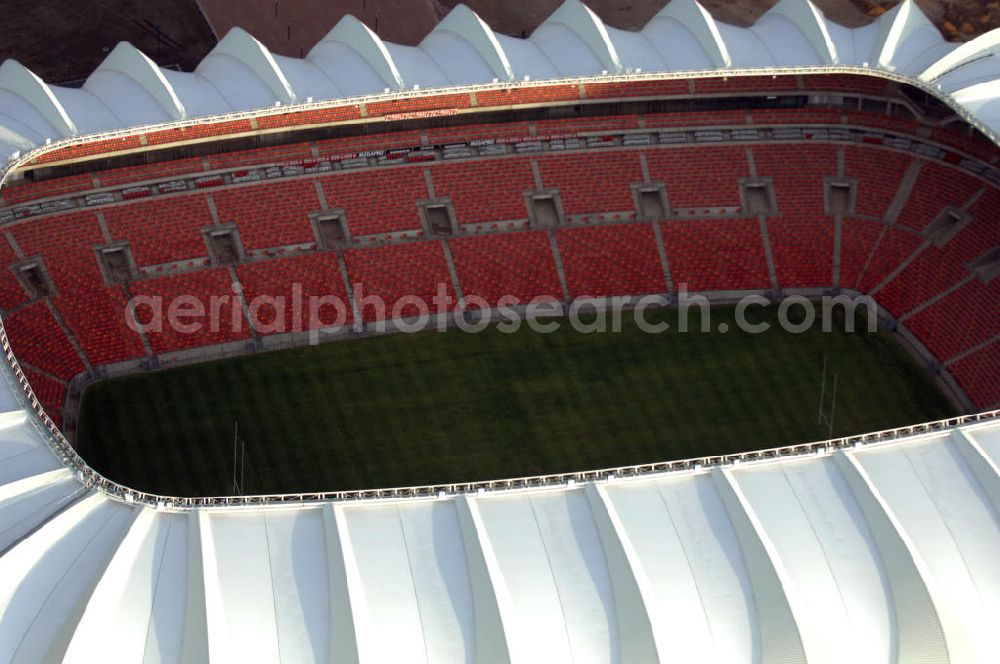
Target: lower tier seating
point(857, 239)
point(93, 310)
point(611, 260)
point(50, 393)
point(936, 187)
point(11, 292)
point(938, 268)
point(228, 325)
point(395, 272)
point(518, 264)
point(959, 321)
point(716, 255)
point(311, 276)
point(690, 184)
point(894, 247)
point(37, 340)
point(979, 376)
point(878, 177)
point(177, 222)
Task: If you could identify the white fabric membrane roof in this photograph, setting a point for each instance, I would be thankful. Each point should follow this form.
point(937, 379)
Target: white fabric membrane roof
point(881, 553)
point(240, 74)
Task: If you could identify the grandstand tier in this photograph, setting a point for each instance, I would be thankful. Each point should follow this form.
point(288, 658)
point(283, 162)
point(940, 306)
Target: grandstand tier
point(906, 230)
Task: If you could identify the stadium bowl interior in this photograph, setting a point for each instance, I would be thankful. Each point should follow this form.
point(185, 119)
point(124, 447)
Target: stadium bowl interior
point(831, 177)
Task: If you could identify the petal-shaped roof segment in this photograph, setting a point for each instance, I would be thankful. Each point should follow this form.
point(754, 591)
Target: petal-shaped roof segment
point(240, 74)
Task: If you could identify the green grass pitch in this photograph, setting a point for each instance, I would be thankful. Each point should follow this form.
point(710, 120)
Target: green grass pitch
point(409, 409)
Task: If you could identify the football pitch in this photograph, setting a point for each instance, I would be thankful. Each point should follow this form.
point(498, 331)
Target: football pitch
point(409, 409)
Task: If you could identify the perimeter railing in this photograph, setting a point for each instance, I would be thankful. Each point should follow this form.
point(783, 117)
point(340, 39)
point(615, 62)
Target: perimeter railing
point(90, 478)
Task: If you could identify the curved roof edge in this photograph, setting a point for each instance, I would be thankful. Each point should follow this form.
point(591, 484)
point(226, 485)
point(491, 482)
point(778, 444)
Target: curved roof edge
point(904, 43)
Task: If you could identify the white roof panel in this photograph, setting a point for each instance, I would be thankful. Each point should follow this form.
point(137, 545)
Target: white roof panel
point(944, 511)
point(416, 67)
point(807, 510)
point(306, 79)
point(785, 41)
point(25, 119)
point(636, 51)
point(683, 537)
point(89, 113)
point(236, 82)
point(456, 58)
point(199, 96)
point(526, 59)
point(110, 86)
point(350, 72)
point(567, 52)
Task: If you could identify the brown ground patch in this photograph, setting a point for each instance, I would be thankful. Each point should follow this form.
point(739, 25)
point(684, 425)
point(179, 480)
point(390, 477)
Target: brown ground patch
point(63, 40)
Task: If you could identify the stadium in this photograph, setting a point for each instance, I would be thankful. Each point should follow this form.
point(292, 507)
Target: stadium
point(305, 484)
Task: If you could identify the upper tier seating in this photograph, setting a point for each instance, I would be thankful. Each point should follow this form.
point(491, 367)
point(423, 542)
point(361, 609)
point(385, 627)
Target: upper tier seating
point(275, 155)
point(33, 191)
point(694, 119)
point(148, 172)
point(353, 144)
